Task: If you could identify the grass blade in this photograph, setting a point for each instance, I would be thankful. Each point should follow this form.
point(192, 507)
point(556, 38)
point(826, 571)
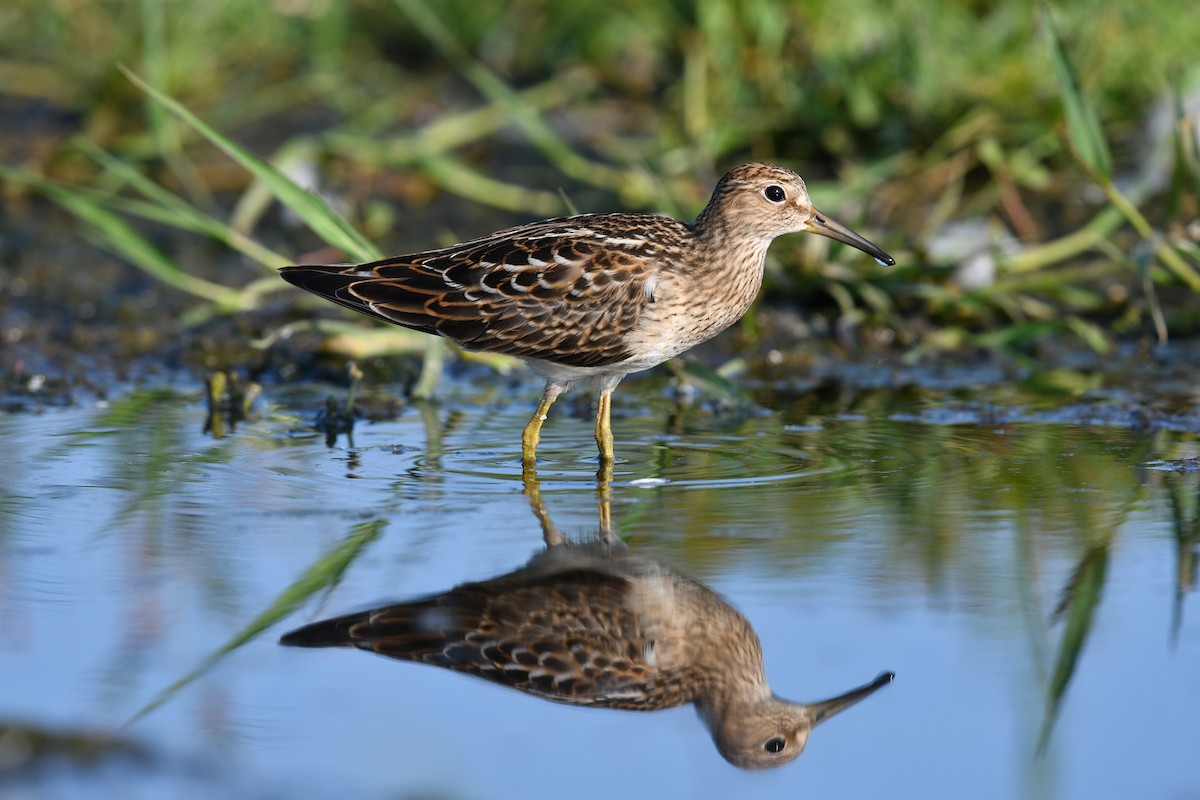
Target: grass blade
point(310, 207)
point(171, 209)
point(431, 369)
point(1185, 517)
point(1084, 127)
point(323, 220)
point(528, 118)
point(323, 573)
point(123, 240)
point(1081, 600)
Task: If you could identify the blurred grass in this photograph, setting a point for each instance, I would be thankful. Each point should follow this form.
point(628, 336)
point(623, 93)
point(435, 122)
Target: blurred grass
point(1058, 126)
point(323, 575)
point(1081, 599)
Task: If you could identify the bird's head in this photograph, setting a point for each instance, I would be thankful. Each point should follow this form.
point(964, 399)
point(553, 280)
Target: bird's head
point(767, 201)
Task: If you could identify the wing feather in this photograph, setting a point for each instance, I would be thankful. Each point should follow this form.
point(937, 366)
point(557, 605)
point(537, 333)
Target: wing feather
point(567, 290)
point(568, 636)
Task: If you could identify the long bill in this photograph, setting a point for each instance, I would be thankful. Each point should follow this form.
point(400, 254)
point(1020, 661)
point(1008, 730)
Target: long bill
point(824, 226)
point(819, 712)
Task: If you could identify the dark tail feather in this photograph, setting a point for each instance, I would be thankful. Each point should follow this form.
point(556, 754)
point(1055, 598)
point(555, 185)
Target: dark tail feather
point(326, 633)
point(328, 281)
point(333, 282)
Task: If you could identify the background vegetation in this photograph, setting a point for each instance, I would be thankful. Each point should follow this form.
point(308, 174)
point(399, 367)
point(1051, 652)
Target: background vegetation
point(1027, 184)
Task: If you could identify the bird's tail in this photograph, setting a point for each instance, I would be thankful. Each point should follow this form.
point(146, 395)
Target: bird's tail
point(326, 633)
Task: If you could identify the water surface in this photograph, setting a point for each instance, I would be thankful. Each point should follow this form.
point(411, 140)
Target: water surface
point(1014, 570)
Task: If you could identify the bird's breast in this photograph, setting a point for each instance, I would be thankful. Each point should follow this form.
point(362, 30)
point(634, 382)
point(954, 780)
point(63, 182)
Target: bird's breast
point(690, 308)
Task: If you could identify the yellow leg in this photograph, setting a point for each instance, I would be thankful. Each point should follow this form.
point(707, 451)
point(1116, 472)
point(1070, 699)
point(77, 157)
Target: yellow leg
point(533, 431)
point(533, 492)
point(604, 500)
point(604, 437)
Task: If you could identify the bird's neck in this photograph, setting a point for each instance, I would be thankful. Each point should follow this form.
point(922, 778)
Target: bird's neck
point(727, 247)
point(736, 674)
point(717, 707)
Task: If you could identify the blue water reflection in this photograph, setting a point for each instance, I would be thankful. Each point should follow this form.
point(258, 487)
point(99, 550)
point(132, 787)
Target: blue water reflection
point(132, 547)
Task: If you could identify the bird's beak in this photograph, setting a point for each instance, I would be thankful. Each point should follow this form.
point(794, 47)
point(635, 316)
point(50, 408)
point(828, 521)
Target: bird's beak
point(819, 712)
point(824, 226)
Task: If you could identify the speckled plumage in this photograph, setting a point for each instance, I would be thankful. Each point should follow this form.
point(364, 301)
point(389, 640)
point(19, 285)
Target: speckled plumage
point(585, 626)
point(593, 297)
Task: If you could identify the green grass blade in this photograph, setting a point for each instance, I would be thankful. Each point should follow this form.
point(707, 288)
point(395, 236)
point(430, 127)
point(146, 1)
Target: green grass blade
point(123, 240)
point(452, 175)
point(310, 207)
point(156, 60)
point(1083, 597)
point(1184, 494)
point(1091, 334)
point(712, 383)
point(1087, 136)
point(170, 209)
point(291, 158)
point(1143, 259)
point(527, 117)
point(322, 574)
point(431, 369)
point(323, 220)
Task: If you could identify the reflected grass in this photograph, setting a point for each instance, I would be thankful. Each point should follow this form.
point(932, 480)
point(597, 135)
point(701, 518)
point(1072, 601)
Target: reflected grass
point(1184, 492)
point(147, 432)
point(322, 576)
point(1080, 601)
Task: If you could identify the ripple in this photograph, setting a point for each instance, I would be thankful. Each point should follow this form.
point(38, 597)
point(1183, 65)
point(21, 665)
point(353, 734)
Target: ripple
point(760, 451)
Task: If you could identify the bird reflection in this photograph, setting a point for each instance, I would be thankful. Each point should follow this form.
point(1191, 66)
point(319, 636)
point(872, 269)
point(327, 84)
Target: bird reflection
point(595, 625)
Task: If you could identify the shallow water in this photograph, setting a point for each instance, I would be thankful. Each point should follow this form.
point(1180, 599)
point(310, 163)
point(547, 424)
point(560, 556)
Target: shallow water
point(924, 533)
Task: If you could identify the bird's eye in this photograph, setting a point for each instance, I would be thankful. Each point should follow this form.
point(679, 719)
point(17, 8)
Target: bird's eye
point(775, 743)
point(775, 194)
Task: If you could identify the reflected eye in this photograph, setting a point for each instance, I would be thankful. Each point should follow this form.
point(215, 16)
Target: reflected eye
point(775, 194)
point(775, 743)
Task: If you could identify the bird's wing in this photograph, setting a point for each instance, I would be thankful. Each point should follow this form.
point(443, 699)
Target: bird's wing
point(568, 636)
point(565, 290)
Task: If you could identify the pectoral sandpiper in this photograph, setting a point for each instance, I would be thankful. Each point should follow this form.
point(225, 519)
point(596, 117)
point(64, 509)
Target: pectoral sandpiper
point(590, 298)
point(587, 626)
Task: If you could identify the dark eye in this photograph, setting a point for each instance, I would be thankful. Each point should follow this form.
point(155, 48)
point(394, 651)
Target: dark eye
point(775, 743)
point(775, 194)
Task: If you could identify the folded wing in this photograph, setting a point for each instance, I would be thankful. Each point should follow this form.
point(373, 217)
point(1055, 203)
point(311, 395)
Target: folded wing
point(566, 290)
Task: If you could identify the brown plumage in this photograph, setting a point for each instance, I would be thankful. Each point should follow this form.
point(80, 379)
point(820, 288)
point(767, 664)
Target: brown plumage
point(587, 626)
point(593, 297)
